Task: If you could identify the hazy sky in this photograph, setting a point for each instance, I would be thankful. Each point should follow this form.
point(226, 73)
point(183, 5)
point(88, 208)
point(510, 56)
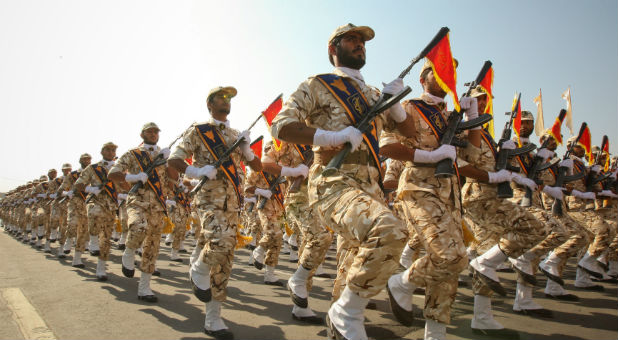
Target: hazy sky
point(76, 74)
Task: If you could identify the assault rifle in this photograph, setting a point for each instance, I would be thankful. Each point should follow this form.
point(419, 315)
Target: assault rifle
point(275, 183)
point(445, 168)
point(538, 165)
point(504, 155)
point(224, 156)
point(298, 181)
point(562, 177)
point(384, 102)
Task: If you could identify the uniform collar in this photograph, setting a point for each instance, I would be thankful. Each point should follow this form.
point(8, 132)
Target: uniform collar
point(221, 125)
point(150, 147)
point(433, 100)
point(106, 164)
point(350, 73)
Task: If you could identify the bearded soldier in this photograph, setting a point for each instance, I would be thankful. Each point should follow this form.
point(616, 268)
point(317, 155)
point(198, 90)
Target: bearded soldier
point(322, 113)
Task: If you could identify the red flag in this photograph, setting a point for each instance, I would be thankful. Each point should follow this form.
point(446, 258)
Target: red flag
point(257, 148)
point(517, 120)
point(605, 151)
point(443, 67)
point(270, 113)
point(585, 141)
point(487, 86)
point(555, 130)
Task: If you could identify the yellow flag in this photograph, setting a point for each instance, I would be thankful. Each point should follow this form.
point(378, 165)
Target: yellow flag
point(539, 123)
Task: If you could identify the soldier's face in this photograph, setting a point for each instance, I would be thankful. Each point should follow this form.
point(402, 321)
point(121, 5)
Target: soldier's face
point(527, 126)
point(431, 86)
point(66, 172)
point(552, 145)
point(108, 153)
point(150, 136)
point(579, 151)
point(481, 103)
point(84, 162)
point(52, 174)
point(220, 106)
point(350, 52)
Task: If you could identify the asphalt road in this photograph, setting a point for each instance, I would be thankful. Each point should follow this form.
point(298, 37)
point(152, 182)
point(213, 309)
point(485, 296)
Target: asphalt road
point(73, 305)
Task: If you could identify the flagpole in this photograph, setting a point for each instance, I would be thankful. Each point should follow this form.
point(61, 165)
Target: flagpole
point(260, 116)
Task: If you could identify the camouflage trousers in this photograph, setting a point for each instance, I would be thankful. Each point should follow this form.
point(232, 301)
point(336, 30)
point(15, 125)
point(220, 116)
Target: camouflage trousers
point(346, 253)
point(252, 222)
point(101, 224)
point(196, 224)
point(374, 238)
point(556, 234)
point(514, 228)
point(180, 218)
point(217, 241)
point(271, 241)
point(438, 225)
point(579, 238)
point(123, 217)
point(145, 228)
point(610, 214)
point(58, 220)
point(596, 224)
point(414, 241)
point(77, 223)
point(315, 238)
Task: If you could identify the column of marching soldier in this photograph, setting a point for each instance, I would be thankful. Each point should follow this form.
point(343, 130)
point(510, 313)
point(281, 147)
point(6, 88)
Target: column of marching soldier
point(411, 239)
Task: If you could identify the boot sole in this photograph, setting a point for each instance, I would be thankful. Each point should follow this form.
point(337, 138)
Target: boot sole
point(300, 302)
point(128, 272)
point(552, 277)
point(404, 317)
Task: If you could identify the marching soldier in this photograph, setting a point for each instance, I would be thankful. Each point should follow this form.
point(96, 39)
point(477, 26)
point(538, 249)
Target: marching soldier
point(101, 205)
point(146, 209)
point(217, 202)
point(179, 210)
point(322, 113)
point(41, 210)
point(77, 218)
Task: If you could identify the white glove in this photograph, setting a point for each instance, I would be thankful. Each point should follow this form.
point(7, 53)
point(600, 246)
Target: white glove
point(41, 195)
point(583, 195)
point(207, 170)
point(165, 152)
point(525, 181)
point(301, 170)
point(53, 196)
point(134, 178)
point(567, 163)
point(182, 187)
point(394, 87)
point(470, 107)
point(508, 145)
point(245, 147)
point(250, 200)
point(263, 192)
point(554, 192)
point(170, 203)
point(545, 154)
point(68, 193)
point(500, 176)
point(443, 152)
point(607, 193)
point(194, 182)
point(122, 197)
point(595, 168)
point(336, 138)
point(92, 190)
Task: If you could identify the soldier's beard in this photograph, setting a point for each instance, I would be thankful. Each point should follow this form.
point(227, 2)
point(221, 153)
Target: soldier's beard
point(347, 60)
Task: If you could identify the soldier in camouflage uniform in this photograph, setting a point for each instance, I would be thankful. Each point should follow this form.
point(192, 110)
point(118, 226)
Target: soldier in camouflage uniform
point(58, 214)
point(217, 202)
point(289, 161)
point(271, 218)
point(432, 206)
point(252, 223)
point(146, 210)
point(351, 201)
point(179, 211)
point(101, 206)
point(41, 210)
point(77, 219)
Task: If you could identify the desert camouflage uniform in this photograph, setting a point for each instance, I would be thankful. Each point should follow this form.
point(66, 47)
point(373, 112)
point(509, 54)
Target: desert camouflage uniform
point(252, 222)
point(101, 209)
point(351, 202)
point(58, 214)
point(146, 215)
point(40, 209)
point(432, 206)
point(179, 215)
point(271, 219)
point(610, 213)
point(315, 238)
point(217, 207)
point(583, 212)
point(516, 229)
point(77, 219)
